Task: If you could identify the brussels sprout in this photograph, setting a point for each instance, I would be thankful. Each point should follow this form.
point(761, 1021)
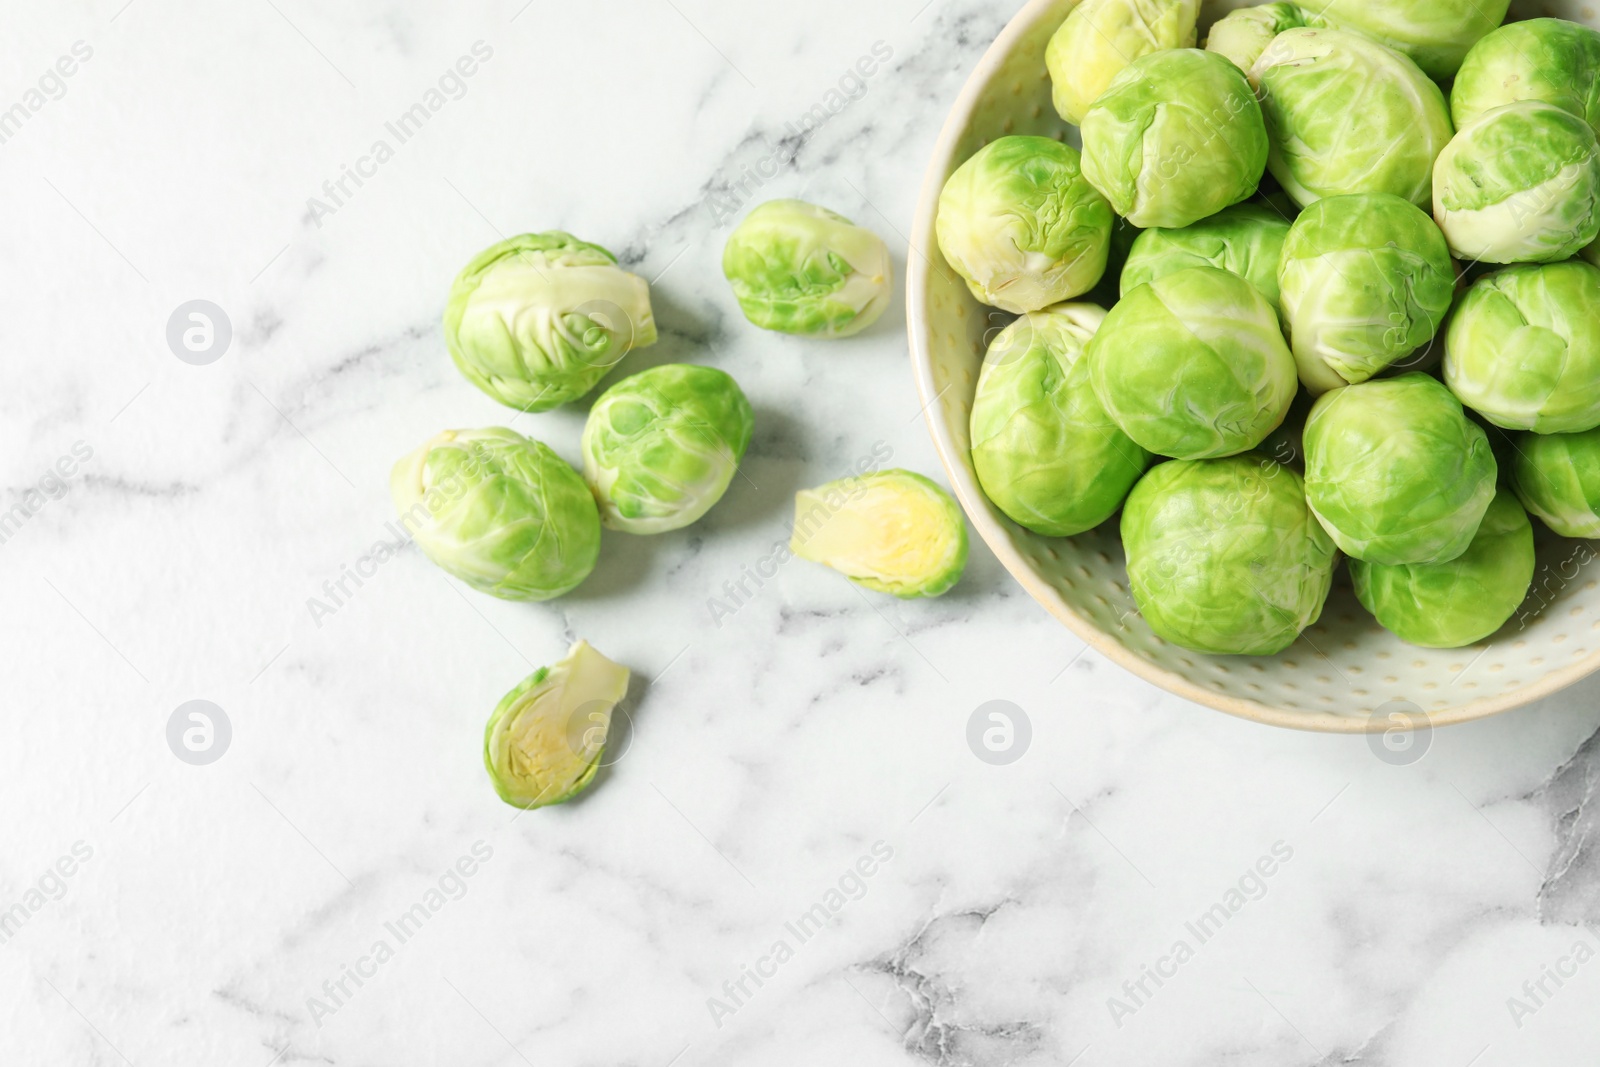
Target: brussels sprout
point(546, 738)
point(1347, 115)
point(504, 514)
point(1521, 184)
point(1178, 136)
point(1101, 37)
point(1242, 35)
point(1396, 471)
point(1020, 223)
point(798, 268)
point(1366, 279)
point(891, 531)
point(1434, 33)
point(1523, 347)
point(661, 446)
point(1192, 365)
point(1045, 451)
point(1552, 60)
point(1448, 605)
point(1224, 556)
point(1246, 239)
point(1557, 477)
point(536, 321)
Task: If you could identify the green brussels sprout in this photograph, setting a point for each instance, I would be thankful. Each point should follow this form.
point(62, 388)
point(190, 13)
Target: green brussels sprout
point(1396, 471)
point(1178, 136)
point(1193, 366)
point(1521, 184)
point(1348, 115)
point(891, 531)
point(1022, 226)
point(1242, 35)
point(661, 446)
point(1101, 37)
point(1557, 477)
point(799, 268)
point(501, 512)
point(1448, 605)
point(1224, 556)
point(547, 737)
point(1367, 280)
point(536, 321)
point(1523, 347)
point(1435, 33)
point(1045, 451)
point(1246, 239)
point(1552, 60)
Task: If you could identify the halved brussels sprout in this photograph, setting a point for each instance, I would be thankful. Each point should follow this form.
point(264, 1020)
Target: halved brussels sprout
point(661, 446)
point(1242, 35)
point(1523, 347)
point(1557, 477)
point(501, 512)
point(1224, 556)
point(1348, 115)
point(1521, 184)
point(1022, 226)
point(891, 531)
point(1177, 136)
point(1366, 281)
point(1193, 366)
point(1396, 471)
point(1246, 239)
point(547, 737)
point(1448, 605)
point(1101, 37)
point(1045, 451)
point(1541, 59)
point(799, 268)
point(1434, 33)
point(536, 321)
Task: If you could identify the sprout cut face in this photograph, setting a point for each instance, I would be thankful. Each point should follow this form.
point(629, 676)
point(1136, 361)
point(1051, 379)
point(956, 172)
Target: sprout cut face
point(1192, 365)
point(1225, 557)
point(546, 739)
point(1396, 471)
point(797, 268)
point(1246, 239)
point(1177, 137)
point(1242, 35)
point(1045, 451)
point(1552, 60)
point(1557, 477)
point(661, 447)
point(1022, 226)
point(1101, 37)
point(503, 513)
point(1366, 281)
point(1523, 348)
point(1434, 33)
point(537, 320)
point(1348, 115)
point(1449, 605)
point(891, 531)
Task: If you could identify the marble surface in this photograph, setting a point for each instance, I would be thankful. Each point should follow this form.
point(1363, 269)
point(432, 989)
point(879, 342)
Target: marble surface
point(799, 858)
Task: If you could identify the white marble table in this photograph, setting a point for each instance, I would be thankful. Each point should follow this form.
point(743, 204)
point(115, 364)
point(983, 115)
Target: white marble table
point(799, 859)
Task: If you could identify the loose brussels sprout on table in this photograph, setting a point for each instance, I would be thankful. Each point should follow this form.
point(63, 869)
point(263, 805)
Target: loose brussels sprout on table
point(1396, 471)
point(1552, 60)
point(1101, 37)
point(1021, 224)
point(1366, 281)
point(537, 320)
point(503, 513)
point(1224, 556)
point(798, 268)
point(1193, 366)
point(661, 446)
point(1246, 239)
point(1523, 347)
point(891, 531)
point(1045, 451)
point(1464, 600)
point(1176, 137)
point(1243, 34)
point(1557, 477)
point(1434, 33)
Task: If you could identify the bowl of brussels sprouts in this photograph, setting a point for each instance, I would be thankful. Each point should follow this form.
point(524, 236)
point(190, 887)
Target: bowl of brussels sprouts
point(1261, 343)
